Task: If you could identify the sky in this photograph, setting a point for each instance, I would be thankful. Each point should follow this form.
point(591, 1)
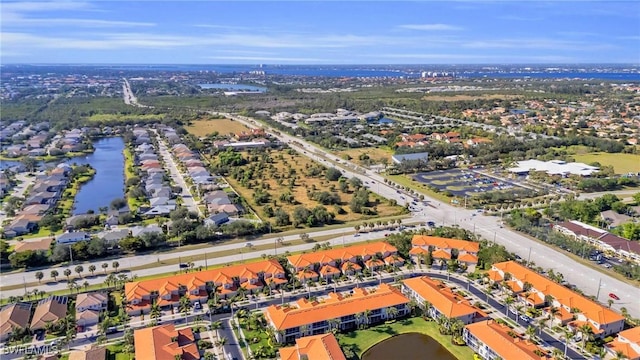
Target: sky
point(327, 32)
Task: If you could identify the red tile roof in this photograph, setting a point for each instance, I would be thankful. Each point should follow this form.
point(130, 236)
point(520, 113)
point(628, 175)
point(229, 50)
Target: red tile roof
point(317, 347)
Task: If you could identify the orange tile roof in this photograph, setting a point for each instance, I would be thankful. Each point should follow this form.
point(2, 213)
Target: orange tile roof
point(225, 275)
point(325, 256)
point(624, 348)
point(496, 337)
point(372, 263)
point(329, 270)
point(468, 258)
point(444, 243)
point(442, 297)
point(577, 323)
point(565, 296)
point(418, 251)
point(335, 306)
point(441, 254)
point(317, 347)
point(156, 343)
point(306, 274)
point(632, 335)
point(354, 266)
point(494, 275)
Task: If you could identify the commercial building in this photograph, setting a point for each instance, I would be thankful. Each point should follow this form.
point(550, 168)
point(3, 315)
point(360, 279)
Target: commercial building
point(345, 312)
point(491, 340)
point(164, 342)
point(554, 167)
point(441, 300)
point(416, 157)
point(317, 347)
point(167, 291)
point(543, 291)
point(466, 252)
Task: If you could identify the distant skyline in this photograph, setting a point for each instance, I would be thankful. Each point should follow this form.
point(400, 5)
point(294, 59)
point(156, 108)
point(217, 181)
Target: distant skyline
point(327, 32)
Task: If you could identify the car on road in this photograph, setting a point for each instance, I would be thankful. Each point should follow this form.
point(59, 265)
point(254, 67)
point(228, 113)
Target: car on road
point(356, 234)
point(431, 224)
point(183, 265)
point(525, 318)
point(607, 265)
point(614, 296)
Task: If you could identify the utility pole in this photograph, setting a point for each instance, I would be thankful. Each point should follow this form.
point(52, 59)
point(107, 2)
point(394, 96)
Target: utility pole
point(529, 257)
point(599, 287)
point(205, 261)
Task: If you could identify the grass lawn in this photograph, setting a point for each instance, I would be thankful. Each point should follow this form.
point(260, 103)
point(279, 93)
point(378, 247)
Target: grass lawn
point(115, 352)
point(622, 163)
point(222, 126)
point(364, 339)
point(421, 188)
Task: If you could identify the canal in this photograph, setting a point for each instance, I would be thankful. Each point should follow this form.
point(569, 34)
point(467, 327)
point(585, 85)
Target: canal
point(108, 182)
point(411, 346)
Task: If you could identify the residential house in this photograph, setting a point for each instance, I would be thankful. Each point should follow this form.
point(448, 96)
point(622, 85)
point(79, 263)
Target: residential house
point(51, 309)
point(217, 219)
point(228, 280)
point(627, 342)
point(89, 306)
point(335, 257)
point(543, 291)
point(12, 317)
point(33, 245)
point(98, 353)
point(613, 219)
point(491, 340)
point(316, 347)
point(149, 229)
point(601, 239)
point(72, 237)
point(466, 252)
point(164, 342)
point(306, 317)
point(441, 300)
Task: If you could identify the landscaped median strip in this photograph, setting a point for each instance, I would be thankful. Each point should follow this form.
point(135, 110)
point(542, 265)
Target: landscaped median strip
point(175, 261)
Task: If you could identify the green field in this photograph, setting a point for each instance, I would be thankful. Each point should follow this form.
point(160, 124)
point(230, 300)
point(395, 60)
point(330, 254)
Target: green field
point(622, 163)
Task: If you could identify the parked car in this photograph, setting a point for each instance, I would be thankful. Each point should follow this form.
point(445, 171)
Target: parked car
point(525, 318)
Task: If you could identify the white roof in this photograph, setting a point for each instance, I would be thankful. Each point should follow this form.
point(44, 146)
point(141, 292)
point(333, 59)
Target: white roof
point(554, 167)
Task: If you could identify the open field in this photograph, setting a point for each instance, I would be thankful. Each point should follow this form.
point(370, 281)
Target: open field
point(622, 163)
point(361, 340)
point(279, 173)
point(459, 97)
point(222, 126)
point(375, 155)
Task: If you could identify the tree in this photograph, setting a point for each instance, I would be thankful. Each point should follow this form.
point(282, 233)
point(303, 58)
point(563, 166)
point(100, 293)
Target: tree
point(333, 174)
point(117, 204)
point(115, 265)
point(54, 274)
point(155, 312)
point(92, 269)
point(67, 273)
point(39, 275)
point(79, 269)
point(104, 267)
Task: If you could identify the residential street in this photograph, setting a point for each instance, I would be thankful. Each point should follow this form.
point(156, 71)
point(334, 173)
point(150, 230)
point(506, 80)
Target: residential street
point(176, 175)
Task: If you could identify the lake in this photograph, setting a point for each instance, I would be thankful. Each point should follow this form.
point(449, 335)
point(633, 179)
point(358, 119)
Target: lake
point(234, 87)
point(108, 182)
point(408, 347)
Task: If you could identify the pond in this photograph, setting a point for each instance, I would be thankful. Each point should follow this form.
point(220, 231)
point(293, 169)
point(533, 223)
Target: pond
point(408, 347)
point(108, 182)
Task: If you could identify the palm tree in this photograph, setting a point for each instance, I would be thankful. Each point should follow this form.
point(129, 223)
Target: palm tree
point(115, 265)
point(518, 309)
point(507, 302)
point(359, 319)
point(531, 332)
point(427, 309)
point(568, 336)
point(367, 314)
point(185, 305)
point(392, 312)
point(155, 312)
point(553, 311)
point(104, 267)
point(304, 329)
point(67, 273)
point(39, 275)
point(456, 325)
point(79, 269)
point(92, 269)
point(586, 332)
point(620, 355)
point(54, 274)
point(85, 285)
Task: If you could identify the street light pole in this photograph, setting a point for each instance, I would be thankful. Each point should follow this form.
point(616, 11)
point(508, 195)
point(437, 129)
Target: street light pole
point(529, 257)
point(599, 287)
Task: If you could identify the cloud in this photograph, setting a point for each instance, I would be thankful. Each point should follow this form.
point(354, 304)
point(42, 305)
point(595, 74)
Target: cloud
point(44, 6)
point(431, 27)
point(546, 44)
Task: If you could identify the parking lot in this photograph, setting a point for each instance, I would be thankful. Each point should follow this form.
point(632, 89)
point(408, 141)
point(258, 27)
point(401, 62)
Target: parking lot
point(461, 182)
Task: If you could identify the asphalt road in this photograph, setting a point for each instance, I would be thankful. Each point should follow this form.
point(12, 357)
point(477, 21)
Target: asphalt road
point(176, 176)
